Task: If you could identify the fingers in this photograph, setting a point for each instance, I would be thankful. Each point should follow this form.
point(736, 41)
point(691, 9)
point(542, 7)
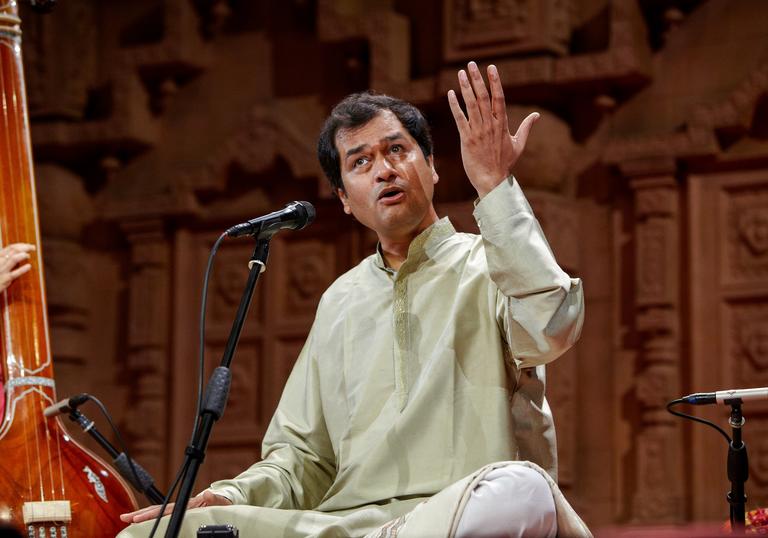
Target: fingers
point(14, 254)
point(481, 93)
point(16, 273)
point(458, 115)
point(10, 258)
point(145, 514)
point(16, 248)
point(498, 104)
point(521, 136)
point(480, 108)
point(205, 498)
point(473, 111)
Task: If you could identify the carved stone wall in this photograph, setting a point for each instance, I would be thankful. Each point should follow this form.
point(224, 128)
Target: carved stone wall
point(658, 496)
point(730, 309)
point(159, 123)
point(146, 367)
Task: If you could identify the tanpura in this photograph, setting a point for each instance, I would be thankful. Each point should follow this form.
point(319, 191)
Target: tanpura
point(50, 487)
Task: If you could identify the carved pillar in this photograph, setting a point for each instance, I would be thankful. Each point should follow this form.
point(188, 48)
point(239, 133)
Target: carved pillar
point(477, 28)
point(148, 343)
point(658, 493)
point(65, 209)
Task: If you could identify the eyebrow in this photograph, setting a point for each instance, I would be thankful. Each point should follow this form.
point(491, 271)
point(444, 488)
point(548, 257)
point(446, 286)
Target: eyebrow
point(389, 138)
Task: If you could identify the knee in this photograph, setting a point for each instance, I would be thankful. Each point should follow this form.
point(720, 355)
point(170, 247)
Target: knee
point(510, 501)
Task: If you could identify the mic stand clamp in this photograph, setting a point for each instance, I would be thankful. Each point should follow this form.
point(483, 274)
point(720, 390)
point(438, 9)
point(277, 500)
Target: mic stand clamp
point(738, 468)
point(217, 391)
point(145, 483)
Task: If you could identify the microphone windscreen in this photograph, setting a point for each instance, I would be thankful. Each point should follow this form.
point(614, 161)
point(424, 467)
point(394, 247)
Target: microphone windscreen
point(310, 209)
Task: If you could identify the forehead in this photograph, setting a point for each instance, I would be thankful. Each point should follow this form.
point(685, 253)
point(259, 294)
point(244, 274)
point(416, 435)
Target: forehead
point(382, 125)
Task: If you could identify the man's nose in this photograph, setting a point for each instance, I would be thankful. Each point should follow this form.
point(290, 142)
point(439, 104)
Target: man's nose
point(384, 170)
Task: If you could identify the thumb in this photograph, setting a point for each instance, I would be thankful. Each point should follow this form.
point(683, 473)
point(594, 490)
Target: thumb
point(209, 498)
point(521, 136)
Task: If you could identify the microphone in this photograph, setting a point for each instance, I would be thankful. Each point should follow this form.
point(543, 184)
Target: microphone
point(726, 396)
point(294, 216)
point(66, 406)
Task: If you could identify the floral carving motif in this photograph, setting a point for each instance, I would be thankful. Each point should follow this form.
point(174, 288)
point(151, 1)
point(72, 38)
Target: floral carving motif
point(654, 388)
point(747, 228)
point(754, 342)
point(753, 230)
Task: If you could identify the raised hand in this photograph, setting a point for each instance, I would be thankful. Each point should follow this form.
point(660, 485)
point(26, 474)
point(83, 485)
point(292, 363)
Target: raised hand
point(488, 149)
point(206, 498)
point(10, 258)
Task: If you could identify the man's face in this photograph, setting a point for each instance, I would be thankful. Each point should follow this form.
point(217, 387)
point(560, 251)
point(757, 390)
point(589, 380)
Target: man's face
point(388, 184)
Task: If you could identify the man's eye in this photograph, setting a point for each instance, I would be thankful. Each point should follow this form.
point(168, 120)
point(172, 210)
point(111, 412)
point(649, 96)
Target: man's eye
point(360, 161)
point(396, 148)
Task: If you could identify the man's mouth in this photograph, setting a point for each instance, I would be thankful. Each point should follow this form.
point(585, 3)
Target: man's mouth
point(391, 195)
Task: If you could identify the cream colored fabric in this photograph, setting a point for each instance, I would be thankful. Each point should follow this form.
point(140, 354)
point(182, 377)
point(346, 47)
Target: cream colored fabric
point(435, 517)
point(411, 380)
point(513, 501)
point(440, 515)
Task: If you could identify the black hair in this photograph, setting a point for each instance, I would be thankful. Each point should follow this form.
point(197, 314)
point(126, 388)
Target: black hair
point(356, 110)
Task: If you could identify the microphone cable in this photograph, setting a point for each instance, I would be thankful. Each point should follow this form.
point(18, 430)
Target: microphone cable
point(120, 442)
point(673, 403)
point(200, 371)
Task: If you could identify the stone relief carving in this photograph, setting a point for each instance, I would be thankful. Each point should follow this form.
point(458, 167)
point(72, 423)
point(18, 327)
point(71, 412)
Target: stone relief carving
point(60, 77)
point(559, 219)
point(657, 438)
point(65, 208)
point(242, 412)
point(747, 214)
point(310, 271)
point(476, 28)
point(753, 230)
point(655, 502)
point(754, 342)
point(652, 243)
point(655, 387)
point(656, 202)
point(747, 340)
point(146, 361)
point(230, 273)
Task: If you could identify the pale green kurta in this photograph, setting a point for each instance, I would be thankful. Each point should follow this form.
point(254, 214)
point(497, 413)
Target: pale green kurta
point(412, 380)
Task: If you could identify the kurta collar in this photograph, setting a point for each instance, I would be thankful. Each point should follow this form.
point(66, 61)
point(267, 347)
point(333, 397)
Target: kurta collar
point(423, 244)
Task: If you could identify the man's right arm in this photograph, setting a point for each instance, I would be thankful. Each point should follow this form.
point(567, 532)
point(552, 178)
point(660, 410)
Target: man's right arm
point(299, 464)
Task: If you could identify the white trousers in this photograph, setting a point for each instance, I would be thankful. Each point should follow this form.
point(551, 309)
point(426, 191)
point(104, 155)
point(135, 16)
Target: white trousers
point(512, 501)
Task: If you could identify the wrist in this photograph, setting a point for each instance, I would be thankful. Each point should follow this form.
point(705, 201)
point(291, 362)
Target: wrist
point(485, 186)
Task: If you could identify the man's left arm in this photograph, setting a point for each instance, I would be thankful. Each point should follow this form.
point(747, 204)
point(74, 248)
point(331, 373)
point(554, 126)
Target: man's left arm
point(542, 310)
point(540, 307)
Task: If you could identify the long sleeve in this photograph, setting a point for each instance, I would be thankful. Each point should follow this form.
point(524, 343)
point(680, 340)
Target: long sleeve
point(539, 307)
point(298, 463)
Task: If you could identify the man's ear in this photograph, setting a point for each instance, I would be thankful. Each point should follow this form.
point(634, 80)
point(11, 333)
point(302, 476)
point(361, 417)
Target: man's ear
point(344, 201)
point(431, 162)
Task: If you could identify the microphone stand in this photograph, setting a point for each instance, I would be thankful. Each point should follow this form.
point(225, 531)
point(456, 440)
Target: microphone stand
point(145, 484)
point(217, 390)
point(738, 468)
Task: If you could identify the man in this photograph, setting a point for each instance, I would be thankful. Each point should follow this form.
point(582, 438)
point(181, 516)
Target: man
point(420, 369)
